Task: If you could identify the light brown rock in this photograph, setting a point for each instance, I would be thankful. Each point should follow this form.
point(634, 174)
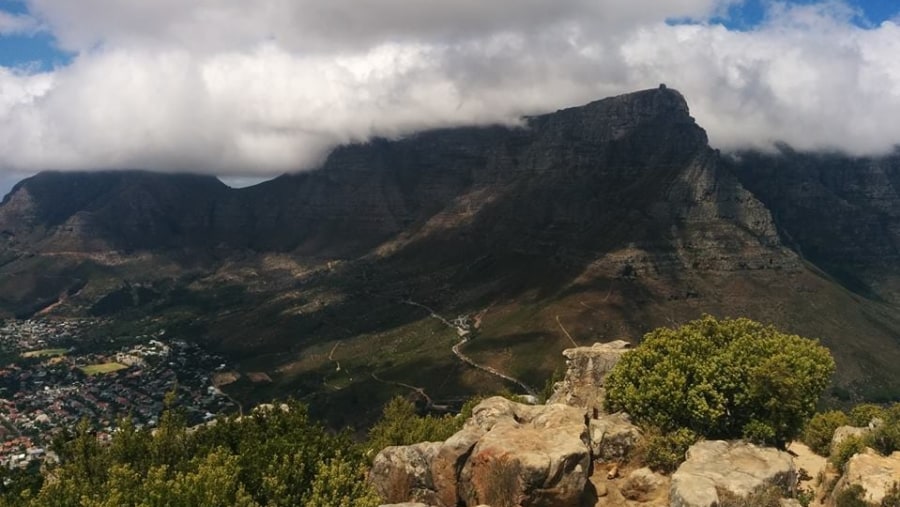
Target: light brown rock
point(586, 371)
point(644, 485)
point(737, 467)
point(613, 436)
point(844, 432)
point(403, 473)
point(448, 463)
point(875, 473)
point(543, 450)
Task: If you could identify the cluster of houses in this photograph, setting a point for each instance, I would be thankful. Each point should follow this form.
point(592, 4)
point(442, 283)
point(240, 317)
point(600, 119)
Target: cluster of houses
point(52, 389)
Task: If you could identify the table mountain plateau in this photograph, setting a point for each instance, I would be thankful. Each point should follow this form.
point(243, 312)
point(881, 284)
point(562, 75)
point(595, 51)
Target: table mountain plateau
point(588, 224)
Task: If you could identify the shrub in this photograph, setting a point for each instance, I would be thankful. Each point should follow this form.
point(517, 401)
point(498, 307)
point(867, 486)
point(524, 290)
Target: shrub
point(401, 425)
point(664, 452)
point(763, 496)
point(862, 414)
point(846, 449)
point(272, 457)
point(851, 496)
point(820, 430)
point(886, 437)
point(892, 497)
point(728, 378)
point(805, 496)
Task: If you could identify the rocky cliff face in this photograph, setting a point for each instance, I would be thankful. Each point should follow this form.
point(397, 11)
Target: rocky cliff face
point(841, 213)
point(129, 210)
point(634, 169)
point(594, 223)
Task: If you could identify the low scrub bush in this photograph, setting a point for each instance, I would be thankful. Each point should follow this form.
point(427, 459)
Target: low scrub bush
point(763, 496)
point(820, 429)
point(664, 452)
point(845, 450)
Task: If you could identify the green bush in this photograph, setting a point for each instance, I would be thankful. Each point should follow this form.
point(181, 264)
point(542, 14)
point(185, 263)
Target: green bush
point(851, 496)
point(892, 497)
point(763, 496)
point(846, 449)
point(862, 414)
point(400, 424)
point(805, 496)
point(886, 437)
point(664, 452)
point(820, 429)
point(728, 378)
point(268, 457)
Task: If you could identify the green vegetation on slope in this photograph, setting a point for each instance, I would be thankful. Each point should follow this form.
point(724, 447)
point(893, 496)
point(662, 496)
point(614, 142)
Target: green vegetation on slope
point(883, 435)
point(276, 456)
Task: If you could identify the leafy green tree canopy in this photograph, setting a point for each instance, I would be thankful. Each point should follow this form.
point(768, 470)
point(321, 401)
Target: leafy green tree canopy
point(730, 378)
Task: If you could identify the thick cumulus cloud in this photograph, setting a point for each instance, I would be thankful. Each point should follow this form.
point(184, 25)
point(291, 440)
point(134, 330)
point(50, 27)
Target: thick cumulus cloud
point(228, 87)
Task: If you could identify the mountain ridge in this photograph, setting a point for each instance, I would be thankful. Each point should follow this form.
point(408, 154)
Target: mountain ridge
point(598, 222)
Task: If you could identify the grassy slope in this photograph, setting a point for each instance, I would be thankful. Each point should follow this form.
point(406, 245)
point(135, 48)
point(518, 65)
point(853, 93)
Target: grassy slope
point(284, 318)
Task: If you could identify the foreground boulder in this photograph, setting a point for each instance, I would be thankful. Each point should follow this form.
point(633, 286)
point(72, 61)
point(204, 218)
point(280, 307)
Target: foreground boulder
point(874, 472)
point(402, 473)
point(449, 462)
point(645, 487)
point(736, 467)
point(586, 371)
point(613, 437)
point(842, 433)
point(537, 455)
point(540, 456)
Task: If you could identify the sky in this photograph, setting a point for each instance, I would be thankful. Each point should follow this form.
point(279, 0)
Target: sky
point(249, 90)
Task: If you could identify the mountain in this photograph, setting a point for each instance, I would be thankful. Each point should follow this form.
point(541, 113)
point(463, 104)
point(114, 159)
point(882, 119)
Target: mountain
point(588, 224)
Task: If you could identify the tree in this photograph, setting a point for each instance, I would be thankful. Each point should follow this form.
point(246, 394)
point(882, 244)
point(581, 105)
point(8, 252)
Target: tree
point(274, 457)
point(401, 425)
point(730, 378)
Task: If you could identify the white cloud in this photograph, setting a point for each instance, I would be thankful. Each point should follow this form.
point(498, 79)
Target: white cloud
point(215, 86)
point(17, 24)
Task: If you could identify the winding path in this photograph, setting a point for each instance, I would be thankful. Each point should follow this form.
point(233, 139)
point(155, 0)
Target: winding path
point(464, 338)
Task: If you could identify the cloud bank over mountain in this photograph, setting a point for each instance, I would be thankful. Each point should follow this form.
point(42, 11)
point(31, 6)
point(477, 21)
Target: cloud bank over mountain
point(228, 87)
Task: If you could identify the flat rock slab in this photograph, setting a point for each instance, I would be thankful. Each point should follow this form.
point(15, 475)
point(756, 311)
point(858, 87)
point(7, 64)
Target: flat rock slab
point(737, 467)
point(874, 472)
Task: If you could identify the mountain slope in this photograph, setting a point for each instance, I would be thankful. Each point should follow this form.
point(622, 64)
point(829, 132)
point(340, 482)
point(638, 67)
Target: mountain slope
point(589, 224)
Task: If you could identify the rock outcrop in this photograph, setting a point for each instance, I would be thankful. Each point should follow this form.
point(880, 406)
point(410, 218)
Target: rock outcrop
point(874, 472)
point(613, 437)
point(646, 487)
point(540, 455)
point(844, 432)
point(586, 371)
point(401, 473)
point(736, 467)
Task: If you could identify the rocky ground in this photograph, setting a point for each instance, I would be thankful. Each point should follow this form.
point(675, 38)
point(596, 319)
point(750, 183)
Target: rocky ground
point(568, 453)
